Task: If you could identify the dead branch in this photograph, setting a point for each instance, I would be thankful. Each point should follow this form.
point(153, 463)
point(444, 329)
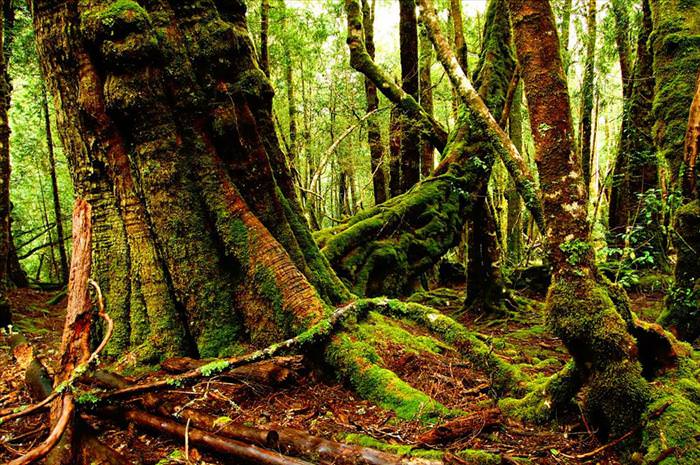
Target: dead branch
point(230, 447)
point(299, 443)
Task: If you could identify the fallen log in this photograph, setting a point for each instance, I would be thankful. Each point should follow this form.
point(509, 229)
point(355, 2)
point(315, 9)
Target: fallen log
point(36, 377)
point(232, 448)
point(462, 427)
point(299, 443)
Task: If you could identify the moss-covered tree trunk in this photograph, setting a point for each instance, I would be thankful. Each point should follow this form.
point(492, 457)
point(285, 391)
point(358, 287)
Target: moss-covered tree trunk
point(581, 311)
point(676, 49)
point(166, 120)
point(378, 163)
point(636, 165)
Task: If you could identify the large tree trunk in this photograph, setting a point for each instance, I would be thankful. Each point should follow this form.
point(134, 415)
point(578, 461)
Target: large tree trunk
point(166, 119)
point(674, 44)
point(410, 132)
point(676, 62)
point(580, 311)
point(374, 134)
point(636, 166)
point(385, 249)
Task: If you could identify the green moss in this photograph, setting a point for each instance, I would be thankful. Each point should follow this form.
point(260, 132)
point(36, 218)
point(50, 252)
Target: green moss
point(576, 251)
point(359, 364)
point(397, 449)
point(479, 457)
point(678, 427)
point(380, 331)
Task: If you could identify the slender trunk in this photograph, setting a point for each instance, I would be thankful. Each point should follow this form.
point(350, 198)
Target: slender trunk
point(395, 139)
point(292, 108)
point(63, 257)
point(515, 210)
point(565, 34)
point(426, 99)
point(374, 134)
point(460, 44)
point(264, 30)
point(622, 29)
point(410, 132)
point(587, 93)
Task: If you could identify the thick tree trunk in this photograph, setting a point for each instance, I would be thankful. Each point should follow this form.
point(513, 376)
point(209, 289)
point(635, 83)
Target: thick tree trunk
point(580, 311)
point(58, 215)
point(378, 163)
point(636, 166)
point(587, 93)
point(683, 302)
point(676, 62)
point(410, 132)
point(179, 158)
point(676, 58)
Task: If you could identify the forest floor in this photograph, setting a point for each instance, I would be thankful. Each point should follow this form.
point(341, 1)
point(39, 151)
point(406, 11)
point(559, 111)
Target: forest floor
point(324, 407)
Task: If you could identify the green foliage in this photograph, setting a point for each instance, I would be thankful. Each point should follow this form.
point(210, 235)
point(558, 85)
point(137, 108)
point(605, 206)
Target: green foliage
point(214, 367)
point(576, 251)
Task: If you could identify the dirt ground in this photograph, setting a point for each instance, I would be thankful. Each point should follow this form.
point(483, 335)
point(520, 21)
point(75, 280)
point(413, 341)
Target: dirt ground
point(322, 406)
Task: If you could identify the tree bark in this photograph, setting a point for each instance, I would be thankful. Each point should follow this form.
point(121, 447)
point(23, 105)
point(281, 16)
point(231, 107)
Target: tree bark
point(621, 15)
point(676, 59)
point(410, 132)
point(374, 135)
point(580, 311)
point(395, 131)
point(461, 49)
point(63, 257)
point(587, 93)
point(427, 163)
point(201, 243)
point(676, 62)
point(264, 31)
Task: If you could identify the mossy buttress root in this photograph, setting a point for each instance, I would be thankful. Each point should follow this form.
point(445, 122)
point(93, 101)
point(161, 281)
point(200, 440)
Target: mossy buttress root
point(353, 355)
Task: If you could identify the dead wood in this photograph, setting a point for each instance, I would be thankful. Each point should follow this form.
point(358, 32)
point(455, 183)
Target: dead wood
point(230, 447)
point(462, 427)
point(299, 443)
